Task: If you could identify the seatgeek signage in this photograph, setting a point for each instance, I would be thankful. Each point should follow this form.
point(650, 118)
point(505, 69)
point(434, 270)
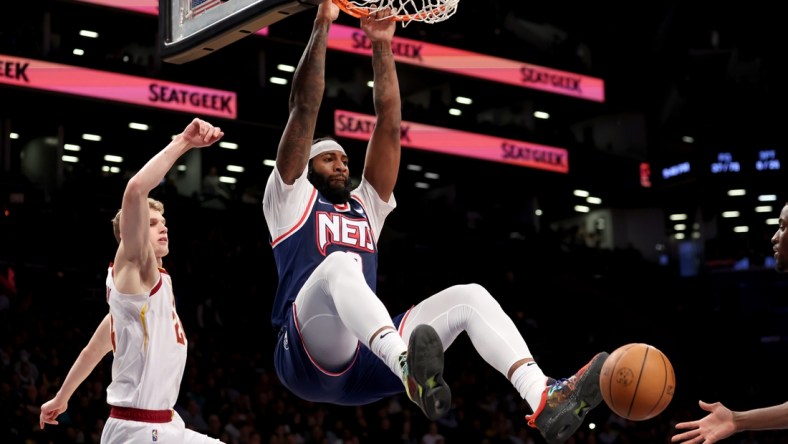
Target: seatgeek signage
point(443, 58)
point(142, 6)
point(29, 73)
point(458, 143)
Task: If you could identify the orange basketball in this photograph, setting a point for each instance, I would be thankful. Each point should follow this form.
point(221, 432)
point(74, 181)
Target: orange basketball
point(637, 381)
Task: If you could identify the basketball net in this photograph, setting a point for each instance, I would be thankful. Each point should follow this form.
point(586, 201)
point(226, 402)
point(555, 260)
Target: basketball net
point(405, 11)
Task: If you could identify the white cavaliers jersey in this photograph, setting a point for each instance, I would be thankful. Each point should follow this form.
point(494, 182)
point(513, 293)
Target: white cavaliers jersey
point(149, 347)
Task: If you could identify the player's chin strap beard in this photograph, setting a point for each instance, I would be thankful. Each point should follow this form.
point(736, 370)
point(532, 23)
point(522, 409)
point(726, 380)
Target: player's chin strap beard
point(335, 196)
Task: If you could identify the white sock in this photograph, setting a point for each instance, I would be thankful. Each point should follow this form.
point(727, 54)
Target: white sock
point(388, 345)
point(530, 381)
point(471, 309)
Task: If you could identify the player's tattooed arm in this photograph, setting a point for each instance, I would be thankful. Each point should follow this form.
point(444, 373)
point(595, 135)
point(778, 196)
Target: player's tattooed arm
point(306, 96)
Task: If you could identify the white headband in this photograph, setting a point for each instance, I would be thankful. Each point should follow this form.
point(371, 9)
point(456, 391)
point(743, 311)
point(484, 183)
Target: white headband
point(325, 145)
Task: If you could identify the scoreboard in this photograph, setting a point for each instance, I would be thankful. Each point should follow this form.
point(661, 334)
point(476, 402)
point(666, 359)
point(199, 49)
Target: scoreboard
point(735, 166)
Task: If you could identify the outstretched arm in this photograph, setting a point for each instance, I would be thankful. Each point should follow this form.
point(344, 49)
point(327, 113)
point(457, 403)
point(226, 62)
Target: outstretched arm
point(383, 152)
point(135, 265)
point(100, 344)
point(134, 246)
point(722, 422)
point(306, 96)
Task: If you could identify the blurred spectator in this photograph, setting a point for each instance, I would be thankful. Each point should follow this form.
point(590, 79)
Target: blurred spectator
point(432, 436)
point(214, 194)
point(192, 416)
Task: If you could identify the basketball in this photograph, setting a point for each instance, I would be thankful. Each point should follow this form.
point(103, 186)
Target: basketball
point(637, 381)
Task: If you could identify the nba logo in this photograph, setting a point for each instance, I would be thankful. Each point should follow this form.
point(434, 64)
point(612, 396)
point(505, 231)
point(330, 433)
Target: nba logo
point(286, 343)
point(154, 435)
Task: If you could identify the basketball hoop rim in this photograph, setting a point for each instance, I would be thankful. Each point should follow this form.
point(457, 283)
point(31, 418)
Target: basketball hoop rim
point(351, 9)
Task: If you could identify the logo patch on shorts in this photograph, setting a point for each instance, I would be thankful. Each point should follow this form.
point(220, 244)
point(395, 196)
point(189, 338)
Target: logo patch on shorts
point(154, 435)
point(285, 343)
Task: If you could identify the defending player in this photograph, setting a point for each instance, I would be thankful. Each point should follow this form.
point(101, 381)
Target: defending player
point(142, 328)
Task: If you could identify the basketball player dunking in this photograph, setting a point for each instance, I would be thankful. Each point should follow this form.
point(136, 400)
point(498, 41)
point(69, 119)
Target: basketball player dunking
point(142, 328)
point(336, 340)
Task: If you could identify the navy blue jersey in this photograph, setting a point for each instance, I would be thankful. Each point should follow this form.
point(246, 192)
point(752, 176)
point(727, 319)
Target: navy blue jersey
point(304, 227)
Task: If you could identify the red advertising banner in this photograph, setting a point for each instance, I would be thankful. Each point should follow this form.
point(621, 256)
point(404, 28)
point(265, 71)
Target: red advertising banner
point(349, 39)
point(142, 6)
point(458, 143)
point(441, 58)
point(29, 73)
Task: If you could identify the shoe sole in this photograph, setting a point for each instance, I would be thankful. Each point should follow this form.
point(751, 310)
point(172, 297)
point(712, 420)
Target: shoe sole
point(425, 361)
point(586, 396)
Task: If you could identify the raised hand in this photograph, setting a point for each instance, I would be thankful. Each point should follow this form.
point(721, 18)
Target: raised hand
point(377, 27)
point(328, 10)
point(200, 133)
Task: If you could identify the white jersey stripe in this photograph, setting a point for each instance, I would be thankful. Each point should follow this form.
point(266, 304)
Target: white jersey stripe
point(300, 222)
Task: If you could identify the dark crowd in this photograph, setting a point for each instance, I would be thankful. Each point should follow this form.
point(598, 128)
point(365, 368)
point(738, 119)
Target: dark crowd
point(723, 330)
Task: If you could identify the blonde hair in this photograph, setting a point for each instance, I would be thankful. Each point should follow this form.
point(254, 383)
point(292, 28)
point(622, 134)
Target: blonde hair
point(153, 204)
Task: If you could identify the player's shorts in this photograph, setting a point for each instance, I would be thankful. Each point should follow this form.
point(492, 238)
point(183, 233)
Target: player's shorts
point(365, 380)
point(122, 431)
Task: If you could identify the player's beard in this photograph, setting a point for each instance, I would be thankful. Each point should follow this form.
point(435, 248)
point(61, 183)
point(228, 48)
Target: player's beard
point(337, 196)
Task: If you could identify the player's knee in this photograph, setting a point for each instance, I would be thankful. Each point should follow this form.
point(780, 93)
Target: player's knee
point(473, 295)
point(341, 262)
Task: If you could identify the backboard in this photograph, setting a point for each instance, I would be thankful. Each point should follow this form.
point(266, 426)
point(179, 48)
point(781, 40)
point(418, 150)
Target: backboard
point(191, 29)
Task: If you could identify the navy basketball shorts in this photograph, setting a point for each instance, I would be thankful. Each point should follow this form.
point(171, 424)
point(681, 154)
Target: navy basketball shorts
point(366, 378)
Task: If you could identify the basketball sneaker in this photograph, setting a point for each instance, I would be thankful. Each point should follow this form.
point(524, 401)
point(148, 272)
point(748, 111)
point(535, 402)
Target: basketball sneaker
point(566, 402)
point(422, 372)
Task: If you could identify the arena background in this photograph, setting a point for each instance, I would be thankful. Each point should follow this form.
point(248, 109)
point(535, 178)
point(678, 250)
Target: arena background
point(695, 92)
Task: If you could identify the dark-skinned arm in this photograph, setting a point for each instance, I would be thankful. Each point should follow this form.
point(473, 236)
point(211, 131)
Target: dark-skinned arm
point(306, 96)
point(381, 165)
